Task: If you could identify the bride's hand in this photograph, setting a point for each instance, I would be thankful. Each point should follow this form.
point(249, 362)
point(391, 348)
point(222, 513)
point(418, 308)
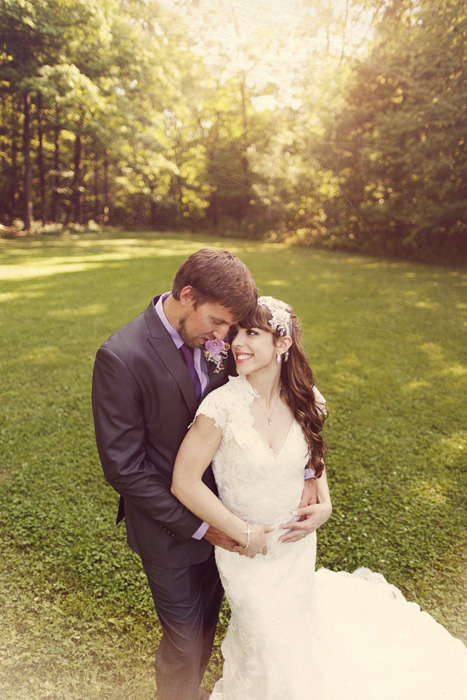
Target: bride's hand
point(258, 543)
point(311, 518)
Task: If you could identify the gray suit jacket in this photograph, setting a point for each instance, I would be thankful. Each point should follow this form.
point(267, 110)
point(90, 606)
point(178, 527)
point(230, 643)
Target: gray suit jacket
point(143, 401)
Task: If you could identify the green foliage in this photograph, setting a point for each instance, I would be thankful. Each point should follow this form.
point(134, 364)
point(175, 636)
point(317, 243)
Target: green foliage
point(385, 341)
point(345, 130)
point(400, 137)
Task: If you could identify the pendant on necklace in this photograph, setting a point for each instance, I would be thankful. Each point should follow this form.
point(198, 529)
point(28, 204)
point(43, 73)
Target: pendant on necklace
point(269, 421)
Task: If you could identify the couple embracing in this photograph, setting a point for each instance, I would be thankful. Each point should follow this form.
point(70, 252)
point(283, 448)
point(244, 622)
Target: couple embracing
point(210, 446)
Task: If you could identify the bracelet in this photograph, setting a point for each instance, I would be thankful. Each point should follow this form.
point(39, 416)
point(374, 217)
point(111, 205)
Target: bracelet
point(248, 537)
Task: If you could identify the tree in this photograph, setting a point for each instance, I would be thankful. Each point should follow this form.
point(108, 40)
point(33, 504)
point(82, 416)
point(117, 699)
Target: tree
point(403, 164)
point(33, 34)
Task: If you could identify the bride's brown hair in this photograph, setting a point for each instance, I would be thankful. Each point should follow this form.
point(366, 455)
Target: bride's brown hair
point(297, 385)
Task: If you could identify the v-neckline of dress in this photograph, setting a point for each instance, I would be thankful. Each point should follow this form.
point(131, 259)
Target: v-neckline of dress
point(251, 395)
point(263, 442)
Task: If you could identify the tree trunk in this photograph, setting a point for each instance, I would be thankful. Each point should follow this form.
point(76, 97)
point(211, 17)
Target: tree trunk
point(328, 27)
point(8, 161)
point(13, 189)
point(106, 190)
point(245, 198)
point(152, 209)
point(27, 215)
point(74, 206)
point(3, 142)
point(178, 182)
point(213, 209)
point(40, 158)
point(56, 185)
point(81, 216)
point(96, 209)
point(344, 34)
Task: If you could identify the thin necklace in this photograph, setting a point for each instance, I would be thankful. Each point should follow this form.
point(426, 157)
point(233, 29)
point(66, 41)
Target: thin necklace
point(269, 418)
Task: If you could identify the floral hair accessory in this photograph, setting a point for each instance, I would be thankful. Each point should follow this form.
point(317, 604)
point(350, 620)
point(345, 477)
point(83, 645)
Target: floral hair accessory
point(216, 351)
point(281, 320)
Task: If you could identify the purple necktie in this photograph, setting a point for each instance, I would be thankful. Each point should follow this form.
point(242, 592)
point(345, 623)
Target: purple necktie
point(189, 357)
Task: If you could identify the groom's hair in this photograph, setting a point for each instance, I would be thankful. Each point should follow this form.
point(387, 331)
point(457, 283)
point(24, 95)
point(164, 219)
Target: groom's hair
point(218, 276)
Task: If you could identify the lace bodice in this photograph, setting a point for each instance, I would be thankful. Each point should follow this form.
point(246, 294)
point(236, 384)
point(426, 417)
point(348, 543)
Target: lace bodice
point(253, 481)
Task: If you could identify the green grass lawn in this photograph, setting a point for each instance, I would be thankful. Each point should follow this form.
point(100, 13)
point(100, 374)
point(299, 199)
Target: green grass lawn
point(387, 342)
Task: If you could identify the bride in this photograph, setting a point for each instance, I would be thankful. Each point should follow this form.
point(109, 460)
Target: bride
point(295, 634)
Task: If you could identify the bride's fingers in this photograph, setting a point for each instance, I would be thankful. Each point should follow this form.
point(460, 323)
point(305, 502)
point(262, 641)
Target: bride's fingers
point(306, 510)
point(299, 525)
point(296, 531)
point(294, 538)
point(290, 536)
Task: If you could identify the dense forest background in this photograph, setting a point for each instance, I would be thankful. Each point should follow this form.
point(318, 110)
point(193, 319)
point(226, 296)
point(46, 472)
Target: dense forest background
point(337, 123)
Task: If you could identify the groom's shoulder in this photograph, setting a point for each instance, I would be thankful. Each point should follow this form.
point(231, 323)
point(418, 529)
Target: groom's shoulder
point(130, 338)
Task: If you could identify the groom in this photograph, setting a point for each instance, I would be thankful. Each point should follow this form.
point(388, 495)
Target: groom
point(148, 380)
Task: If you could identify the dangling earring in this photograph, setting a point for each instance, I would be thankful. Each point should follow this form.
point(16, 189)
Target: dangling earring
point(278, 358)
point(286, 355)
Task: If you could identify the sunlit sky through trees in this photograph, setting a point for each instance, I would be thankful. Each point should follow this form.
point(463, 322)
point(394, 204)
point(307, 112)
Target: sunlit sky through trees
point(275, 42)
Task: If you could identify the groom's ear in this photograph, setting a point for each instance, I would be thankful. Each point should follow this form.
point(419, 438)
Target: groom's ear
point(187, 295)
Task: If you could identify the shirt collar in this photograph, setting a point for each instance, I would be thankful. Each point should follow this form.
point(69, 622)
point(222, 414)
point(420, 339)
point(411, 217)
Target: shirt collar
point(159, 308)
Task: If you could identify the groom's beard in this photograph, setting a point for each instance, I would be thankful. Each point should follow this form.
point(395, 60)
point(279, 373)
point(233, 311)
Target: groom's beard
point(196, 341)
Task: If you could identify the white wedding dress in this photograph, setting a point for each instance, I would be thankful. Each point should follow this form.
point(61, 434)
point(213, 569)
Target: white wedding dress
point(299, 635)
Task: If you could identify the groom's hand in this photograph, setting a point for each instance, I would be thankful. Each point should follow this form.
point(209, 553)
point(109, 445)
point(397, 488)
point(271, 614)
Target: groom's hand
point(220, 539)
point(309, 494)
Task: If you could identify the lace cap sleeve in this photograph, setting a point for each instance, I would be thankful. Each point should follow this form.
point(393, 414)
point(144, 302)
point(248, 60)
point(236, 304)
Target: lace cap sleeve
point(320, 402)
point(214, 406)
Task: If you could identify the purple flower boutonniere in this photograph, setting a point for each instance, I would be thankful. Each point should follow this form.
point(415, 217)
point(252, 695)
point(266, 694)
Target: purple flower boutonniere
point(216, 351)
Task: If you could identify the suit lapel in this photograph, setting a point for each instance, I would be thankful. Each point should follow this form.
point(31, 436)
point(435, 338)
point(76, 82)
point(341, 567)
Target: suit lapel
point(214, 380)
point(163, 345)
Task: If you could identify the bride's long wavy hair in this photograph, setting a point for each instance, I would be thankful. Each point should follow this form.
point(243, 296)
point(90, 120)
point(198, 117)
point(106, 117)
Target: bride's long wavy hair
point(297, 385)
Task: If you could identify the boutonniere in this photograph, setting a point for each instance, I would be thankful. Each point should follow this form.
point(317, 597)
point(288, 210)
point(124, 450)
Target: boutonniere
point(216, 351)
